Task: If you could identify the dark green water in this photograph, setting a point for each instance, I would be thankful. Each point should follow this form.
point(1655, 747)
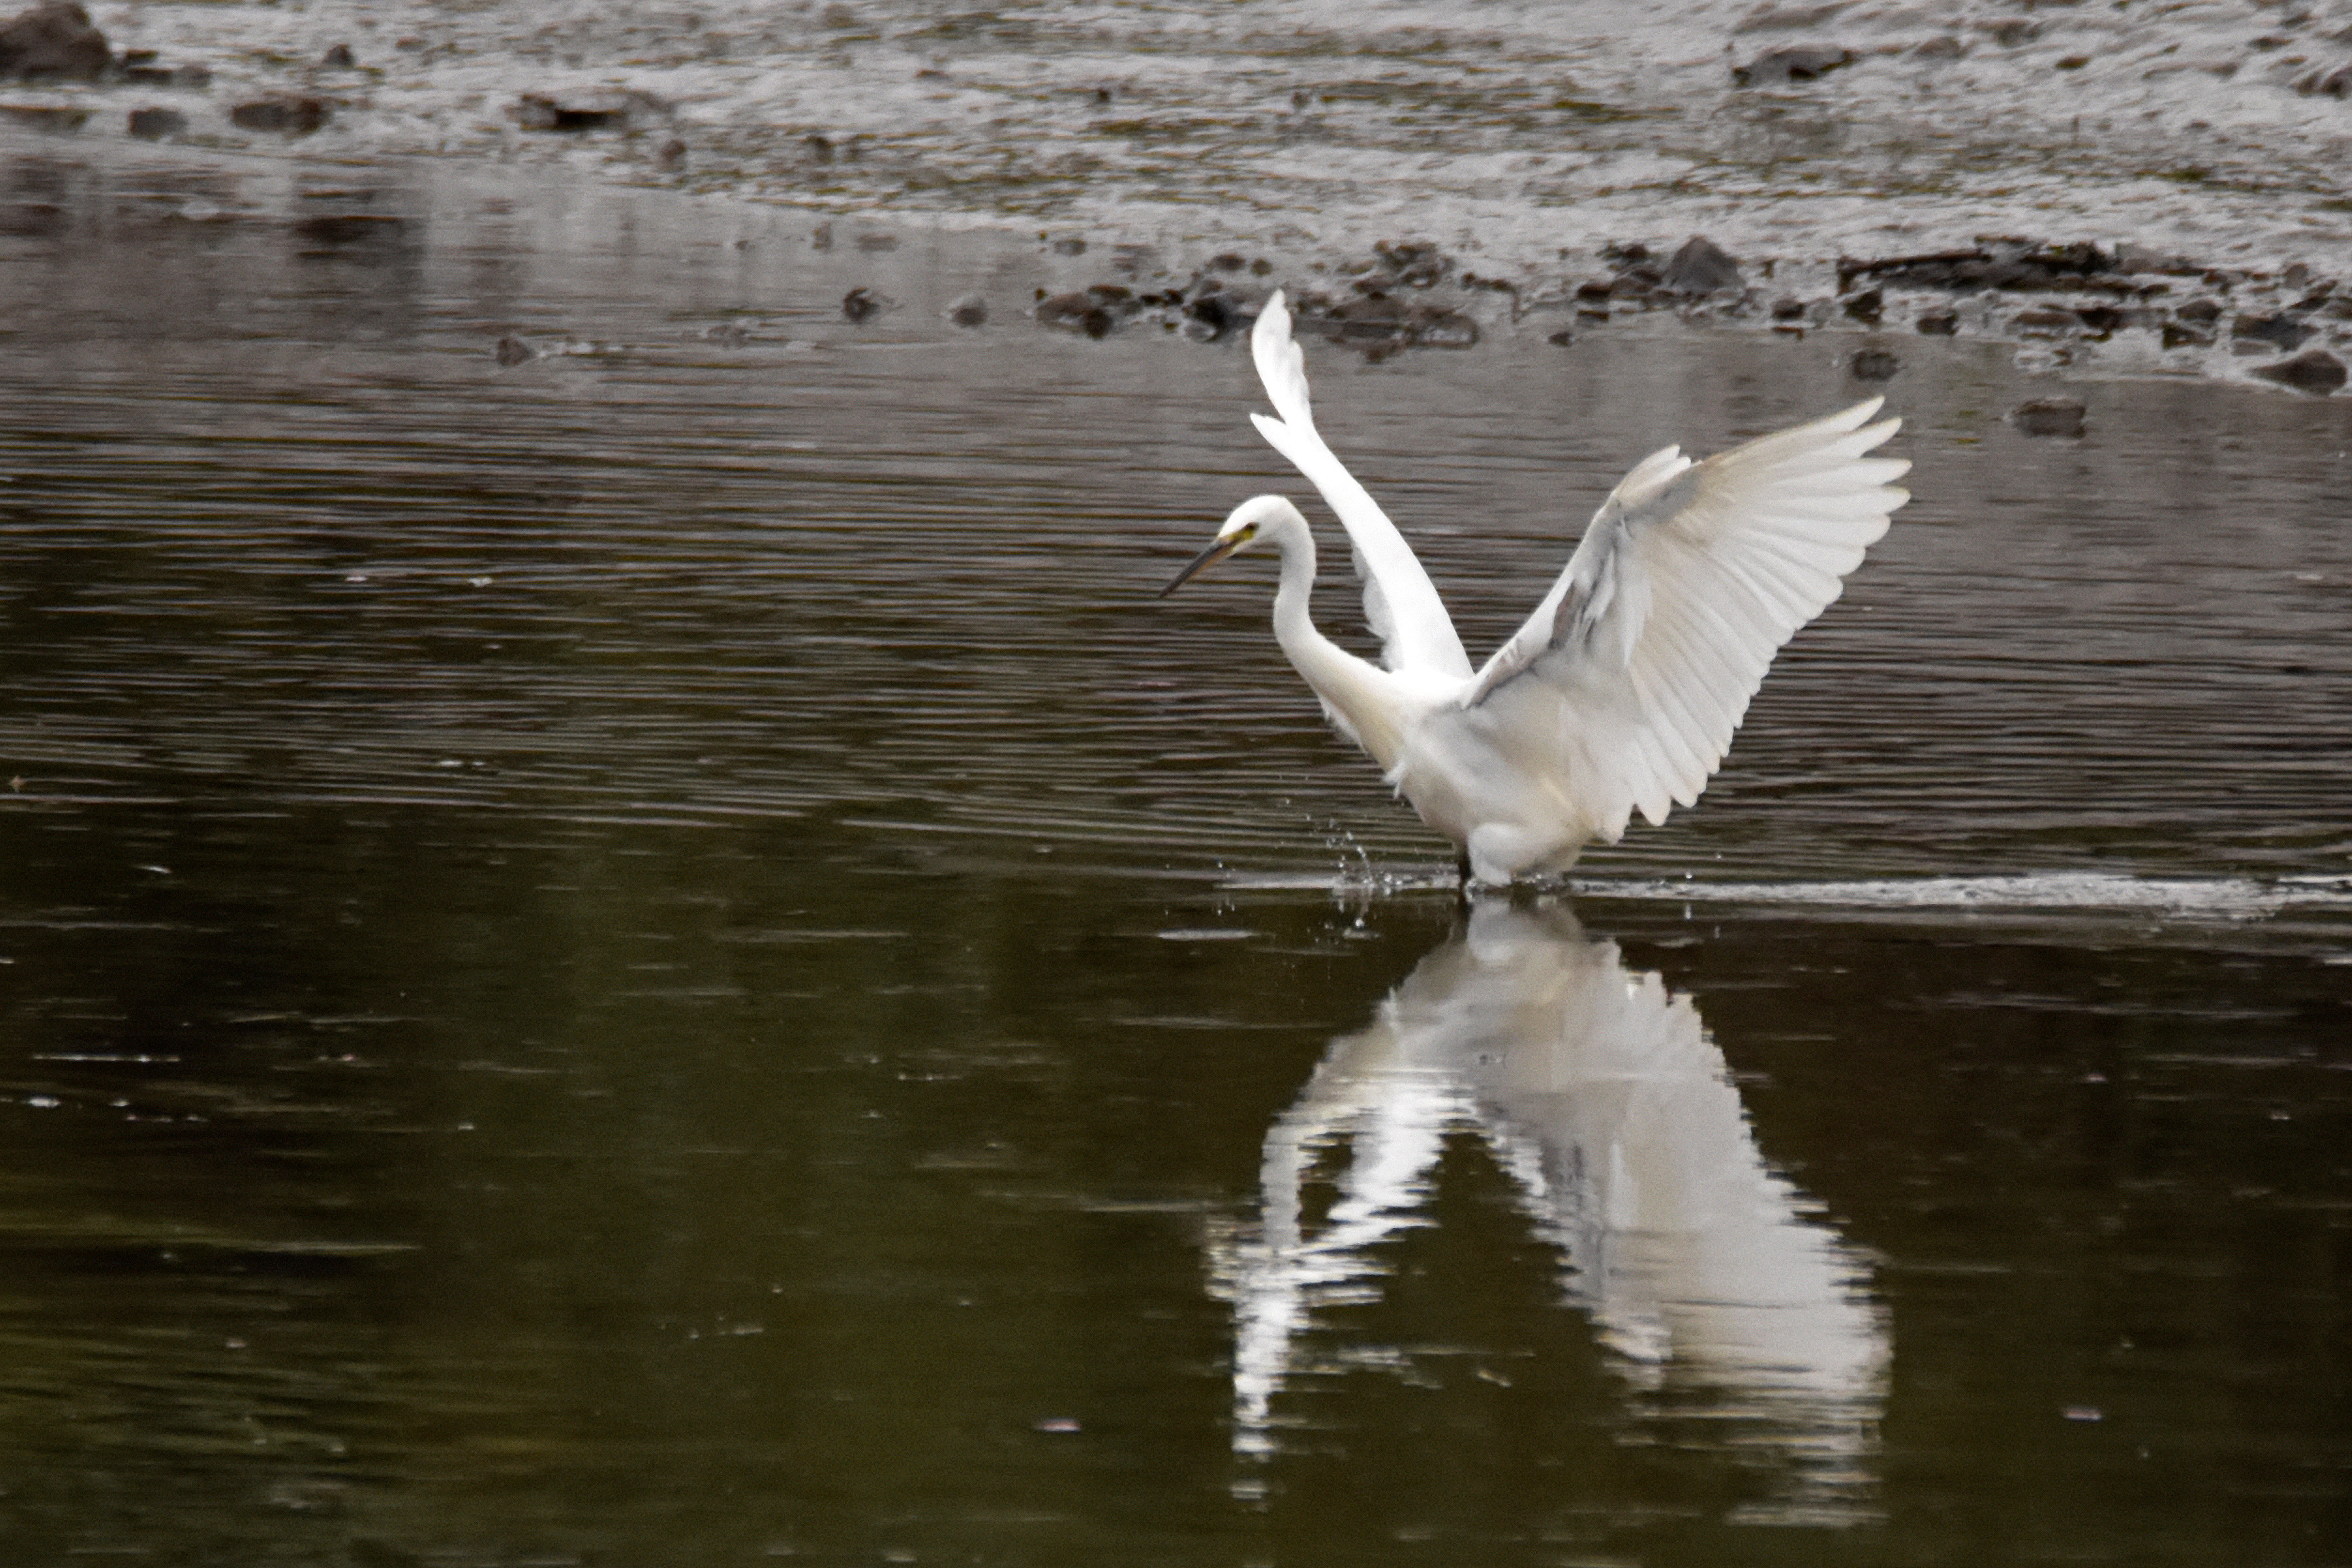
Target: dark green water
point(661, 956)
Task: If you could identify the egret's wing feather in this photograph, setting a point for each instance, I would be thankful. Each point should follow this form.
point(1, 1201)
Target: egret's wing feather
point(1400, 601)
point(1625, 685)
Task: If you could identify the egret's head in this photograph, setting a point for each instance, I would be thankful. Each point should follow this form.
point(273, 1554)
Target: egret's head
point(1237, 534)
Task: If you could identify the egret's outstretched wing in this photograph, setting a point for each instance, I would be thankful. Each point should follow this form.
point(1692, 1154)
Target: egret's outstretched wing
point(1400, 601)
point(1625, 685)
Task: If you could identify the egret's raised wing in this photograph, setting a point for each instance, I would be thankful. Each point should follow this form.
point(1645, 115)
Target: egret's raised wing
point(1400, 601)
point(1632, 675)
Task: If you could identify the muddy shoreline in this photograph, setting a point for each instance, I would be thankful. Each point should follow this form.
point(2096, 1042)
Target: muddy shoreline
point(1834, 170)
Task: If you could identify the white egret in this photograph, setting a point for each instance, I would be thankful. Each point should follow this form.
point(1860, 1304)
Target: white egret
point(1621, 691)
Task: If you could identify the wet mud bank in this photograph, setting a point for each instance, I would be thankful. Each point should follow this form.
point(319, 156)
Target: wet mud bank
point(2112, 193)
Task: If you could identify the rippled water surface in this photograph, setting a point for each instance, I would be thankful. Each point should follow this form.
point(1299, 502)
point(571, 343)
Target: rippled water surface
point(663, 955)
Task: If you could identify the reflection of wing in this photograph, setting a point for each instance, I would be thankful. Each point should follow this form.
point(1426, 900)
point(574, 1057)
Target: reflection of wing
point(1603, 1099)
point(1638, 664)
point(1400, 601)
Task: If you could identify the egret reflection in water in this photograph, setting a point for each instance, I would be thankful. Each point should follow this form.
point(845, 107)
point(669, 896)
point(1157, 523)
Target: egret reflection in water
point(1614, 1116)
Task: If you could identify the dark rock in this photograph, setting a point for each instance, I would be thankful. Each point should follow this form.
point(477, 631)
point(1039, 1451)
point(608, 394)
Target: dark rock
point(1562, 338)
point(294, 116)
point(2074, 62)
point(2044, 319)
point(1227, 261)
point(1873, 364)
point(2011, 31)
point(1700, 267)
point(2007, 265)
point(2203, 312)
point(1416, 263)
point(513, 351)
point(1369, 316)
point(861, 304)
point(55, 119)
point(2177, 336)
point(2281, 332)
point(334, 231)
point(1804, 62)
point(1867, 306)
point(1216, 312)
point(54, 40)
point(671, 156)
point(1943, 46)
point(2314, 371)
point(1444, 329)
point(2132, 257)
point(971, 310)
point(339, 58)
point(1788, 309)
point(598, 108)
point(1594, 292)
point(2049, 416)
point(2336, 83)
point(2102, 320)
point(155, 124)
point(819, 148)
point(1078, 312)
point(1937, 323)
point(1069, 247)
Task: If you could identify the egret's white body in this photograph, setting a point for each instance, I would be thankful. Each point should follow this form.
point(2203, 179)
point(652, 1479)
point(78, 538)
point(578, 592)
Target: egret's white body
point(1621, 691)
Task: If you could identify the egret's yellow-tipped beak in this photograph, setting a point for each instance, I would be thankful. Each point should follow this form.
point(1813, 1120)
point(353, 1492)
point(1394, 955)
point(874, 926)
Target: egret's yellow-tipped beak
point(1217, 551)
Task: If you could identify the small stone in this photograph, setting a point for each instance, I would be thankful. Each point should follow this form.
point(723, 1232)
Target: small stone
point(513, 351)
point(2049, 416)
point(2203, 312)
point(155, 124)
point(1867, 306)
point(2045, 320)
point(293, 116)
point(671, 156)
point(1788, 309)
point(1937, 323)
point(1445, 329)
point(339, 58)
point(1873, 364)
point(1701, 267)
point(2282, 332)
point(1804, 62)
point(55, 41)
point(861, 304)
point(1070, 247)
point(971, 310)
point(1562, 338)
point(2314, 371)
point(596, 108)
point(2177, 336)
point(55, 119)
point(1075, 313)
point(2131, 257)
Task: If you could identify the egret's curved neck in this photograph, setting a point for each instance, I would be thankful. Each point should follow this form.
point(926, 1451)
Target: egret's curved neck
point(1293, 627)
point(1354, 693)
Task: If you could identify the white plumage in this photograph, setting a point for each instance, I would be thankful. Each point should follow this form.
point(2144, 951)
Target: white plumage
point(1621, 691)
